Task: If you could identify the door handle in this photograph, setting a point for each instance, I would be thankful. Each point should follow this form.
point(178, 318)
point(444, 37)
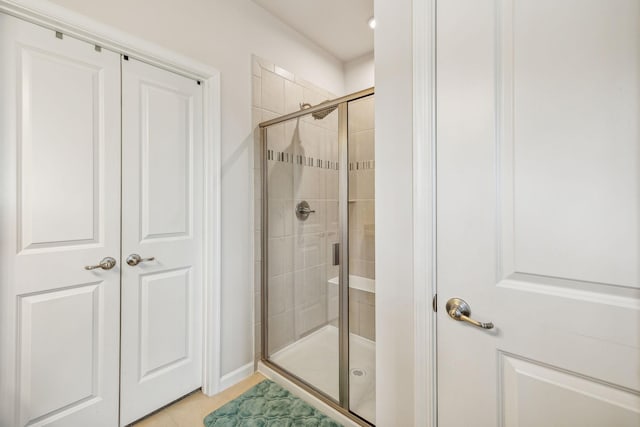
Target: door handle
point(336, 253)
point(458, 309)
point(135, 259)
point(106, 264)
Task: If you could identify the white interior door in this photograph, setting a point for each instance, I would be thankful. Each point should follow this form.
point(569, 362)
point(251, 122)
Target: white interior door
point(162, 198)
point(538, 159)
point(59, 212)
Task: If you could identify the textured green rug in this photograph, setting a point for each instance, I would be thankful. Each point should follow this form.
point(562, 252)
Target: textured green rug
point(268, 405)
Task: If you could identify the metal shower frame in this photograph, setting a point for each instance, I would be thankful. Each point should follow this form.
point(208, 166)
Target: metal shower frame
point(342, 405)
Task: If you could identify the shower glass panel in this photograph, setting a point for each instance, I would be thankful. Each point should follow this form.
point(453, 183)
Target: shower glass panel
point(318, 265)
point(362, 356)
point(302, 235)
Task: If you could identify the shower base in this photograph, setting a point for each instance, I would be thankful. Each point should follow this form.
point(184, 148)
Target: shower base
point(314, 359)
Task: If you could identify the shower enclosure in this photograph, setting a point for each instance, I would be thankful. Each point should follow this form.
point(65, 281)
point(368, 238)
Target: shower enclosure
point(318, 246)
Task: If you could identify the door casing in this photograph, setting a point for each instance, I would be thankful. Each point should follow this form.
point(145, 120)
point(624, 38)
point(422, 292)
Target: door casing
point(57, 18)
point(424, 211)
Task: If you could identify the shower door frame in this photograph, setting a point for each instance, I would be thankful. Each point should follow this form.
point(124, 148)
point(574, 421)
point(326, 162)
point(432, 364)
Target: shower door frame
point(342, 103)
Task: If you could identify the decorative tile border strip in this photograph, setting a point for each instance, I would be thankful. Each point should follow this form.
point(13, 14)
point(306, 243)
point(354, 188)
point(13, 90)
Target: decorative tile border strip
point(298, 159)
point(280, 156)
point(362, 165)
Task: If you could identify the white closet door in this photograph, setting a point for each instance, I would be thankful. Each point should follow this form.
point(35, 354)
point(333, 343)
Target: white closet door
point(162, 219)
point(59, 212)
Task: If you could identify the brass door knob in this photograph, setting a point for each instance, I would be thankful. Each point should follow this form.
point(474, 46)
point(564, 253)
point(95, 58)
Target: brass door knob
point(458, 309)
point(106, 264)
point(135, 259)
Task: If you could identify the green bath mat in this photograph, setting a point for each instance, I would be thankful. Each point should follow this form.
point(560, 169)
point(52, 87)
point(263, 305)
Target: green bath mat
point(268, 405)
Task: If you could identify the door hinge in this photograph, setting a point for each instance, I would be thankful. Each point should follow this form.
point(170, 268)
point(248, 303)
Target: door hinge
point(434, 303)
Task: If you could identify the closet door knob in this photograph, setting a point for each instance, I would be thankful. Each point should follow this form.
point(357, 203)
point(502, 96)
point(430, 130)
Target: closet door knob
point(106, 264)
point(135, 259)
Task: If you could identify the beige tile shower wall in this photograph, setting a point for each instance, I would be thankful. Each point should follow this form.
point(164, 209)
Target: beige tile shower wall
point(299, 252)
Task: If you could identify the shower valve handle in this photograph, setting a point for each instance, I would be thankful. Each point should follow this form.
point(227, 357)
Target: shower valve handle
point(303, 210)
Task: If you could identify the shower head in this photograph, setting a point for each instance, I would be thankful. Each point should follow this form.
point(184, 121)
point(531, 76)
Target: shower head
point(321, 114)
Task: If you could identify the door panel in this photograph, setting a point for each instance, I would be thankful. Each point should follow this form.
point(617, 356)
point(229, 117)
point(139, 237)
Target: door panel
point(60, 186)
point(527, 386)
point(162, 218)
point(573, 97)
point(166, 162)
point(159, 290)
point(538, 212)
point(54, 317)
point(47, 218)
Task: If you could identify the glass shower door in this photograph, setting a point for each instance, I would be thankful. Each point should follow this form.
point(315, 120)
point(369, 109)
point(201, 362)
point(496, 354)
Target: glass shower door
point(302, 310)
point(318, 266)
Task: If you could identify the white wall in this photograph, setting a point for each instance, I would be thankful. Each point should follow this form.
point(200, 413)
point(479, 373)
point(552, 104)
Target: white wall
point(224, 34)
point(394, 214)
point(359, 73)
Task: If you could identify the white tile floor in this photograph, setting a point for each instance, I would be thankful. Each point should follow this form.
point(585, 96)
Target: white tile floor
point(314, 359)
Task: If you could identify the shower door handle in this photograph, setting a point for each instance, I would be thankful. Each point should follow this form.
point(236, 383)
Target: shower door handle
point(458, 309)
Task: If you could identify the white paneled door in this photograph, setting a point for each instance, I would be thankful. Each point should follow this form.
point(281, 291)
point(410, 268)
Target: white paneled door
point(162, 193)
point(101, 232)
point(59, 212)
point(538, 153)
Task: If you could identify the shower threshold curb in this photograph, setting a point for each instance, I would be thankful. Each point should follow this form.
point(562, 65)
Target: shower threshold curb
point(319, 402)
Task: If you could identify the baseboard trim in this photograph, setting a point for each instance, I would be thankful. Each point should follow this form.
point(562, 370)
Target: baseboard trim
point(234, 377)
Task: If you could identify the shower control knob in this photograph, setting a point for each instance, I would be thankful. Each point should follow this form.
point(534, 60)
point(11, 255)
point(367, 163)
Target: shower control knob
point(303, 210)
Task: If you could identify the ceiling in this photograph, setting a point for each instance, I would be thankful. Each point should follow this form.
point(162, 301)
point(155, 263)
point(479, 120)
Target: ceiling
point(338, 26)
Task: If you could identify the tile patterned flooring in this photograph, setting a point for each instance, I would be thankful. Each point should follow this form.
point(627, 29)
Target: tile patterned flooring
point(191, 410)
